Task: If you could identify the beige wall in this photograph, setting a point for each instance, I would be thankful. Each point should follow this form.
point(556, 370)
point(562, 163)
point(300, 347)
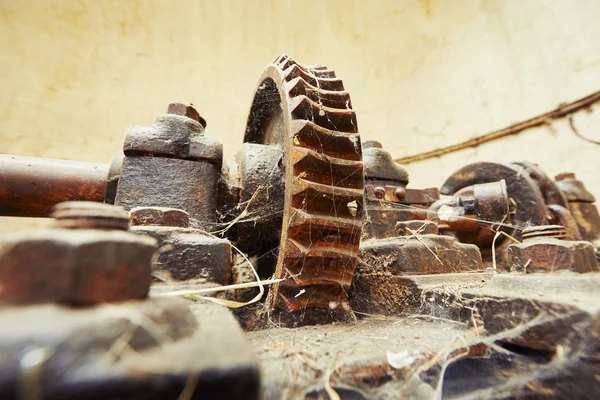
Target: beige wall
point(74, 75)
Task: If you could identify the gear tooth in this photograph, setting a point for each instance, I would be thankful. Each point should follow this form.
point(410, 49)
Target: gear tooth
point(301, 219)
point(324, 73)
point(287, 63)
point(325, 236)
point(296, 71)
point(282, 58)
point(322, 200)
point(335, 144)
point(330, 118)
point(307, 269)
point(329, 98)
point(321, 71)
point(320, 168)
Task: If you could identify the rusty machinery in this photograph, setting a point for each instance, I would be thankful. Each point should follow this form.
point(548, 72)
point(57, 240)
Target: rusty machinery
point(77, 321)
point(302, 142)
point(530, 198)
point(306, 202)
point(399, 241)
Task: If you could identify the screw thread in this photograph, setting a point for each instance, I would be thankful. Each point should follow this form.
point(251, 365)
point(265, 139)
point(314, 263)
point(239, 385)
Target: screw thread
point(90, 215)
point(545, 231)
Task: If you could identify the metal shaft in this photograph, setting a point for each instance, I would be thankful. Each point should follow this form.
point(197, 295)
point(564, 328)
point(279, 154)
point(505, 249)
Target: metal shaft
point(31, 186)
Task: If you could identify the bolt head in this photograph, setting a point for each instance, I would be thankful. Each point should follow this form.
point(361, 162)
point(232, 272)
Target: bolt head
point(77, 267)
point(544, 231)
point(400, 193)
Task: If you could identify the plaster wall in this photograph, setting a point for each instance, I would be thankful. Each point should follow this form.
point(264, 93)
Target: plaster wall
point(75, 74)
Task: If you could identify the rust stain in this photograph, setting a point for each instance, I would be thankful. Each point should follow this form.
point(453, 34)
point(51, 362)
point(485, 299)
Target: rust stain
point(426, 4)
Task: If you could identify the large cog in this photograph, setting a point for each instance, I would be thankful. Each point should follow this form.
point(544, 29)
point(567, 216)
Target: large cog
point(308, 114)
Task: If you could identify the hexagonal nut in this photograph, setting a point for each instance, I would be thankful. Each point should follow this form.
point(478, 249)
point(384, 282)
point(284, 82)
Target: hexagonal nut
point(79, 267)
point(549, 255)
point(174, 136)
point(189, 254)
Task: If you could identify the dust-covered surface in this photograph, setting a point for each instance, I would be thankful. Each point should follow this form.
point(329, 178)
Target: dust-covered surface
point(506, 336)
point(352, 357)
point(152, 349)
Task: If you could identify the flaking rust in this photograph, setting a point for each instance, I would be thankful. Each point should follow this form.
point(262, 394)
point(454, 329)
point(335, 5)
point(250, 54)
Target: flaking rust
point(485, 288)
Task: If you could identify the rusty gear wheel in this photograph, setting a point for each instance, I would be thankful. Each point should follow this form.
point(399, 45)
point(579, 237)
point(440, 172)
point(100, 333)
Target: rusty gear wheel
point(306, 112)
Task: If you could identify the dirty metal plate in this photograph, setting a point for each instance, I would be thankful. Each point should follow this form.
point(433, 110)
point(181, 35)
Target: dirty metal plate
point(153, 349)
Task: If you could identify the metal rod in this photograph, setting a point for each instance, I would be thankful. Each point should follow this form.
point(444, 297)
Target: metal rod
point(31, 186)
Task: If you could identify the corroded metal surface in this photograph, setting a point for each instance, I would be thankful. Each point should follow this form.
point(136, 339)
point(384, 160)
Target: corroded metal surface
point(545, 250)
point(573, 189)
point(583, 208)
point(298, 199)
point(387, 199)
point(551, 191)
point(172, 164)
point(419, 254)
point(306, 112)
point(186, 254)
point(529, 203)
point(89, 258)
point(379, 286)
point(588, 220)
point(474, 213)
point(260, 203)
point(562, 216)
point(159, 216)
point(31, 186)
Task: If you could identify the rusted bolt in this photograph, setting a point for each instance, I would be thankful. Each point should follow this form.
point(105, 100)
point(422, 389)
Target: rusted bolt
point(544, 231)
point(186, 111)
point(400, 193)
point(379, 192)
point(88, 258)
point(574, 190)
point(543, 250)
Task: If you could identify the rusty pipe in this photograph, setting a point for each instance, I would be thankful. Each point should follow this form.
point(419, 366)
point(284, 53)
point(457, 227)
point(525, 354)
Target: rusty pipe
point(31, 186)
